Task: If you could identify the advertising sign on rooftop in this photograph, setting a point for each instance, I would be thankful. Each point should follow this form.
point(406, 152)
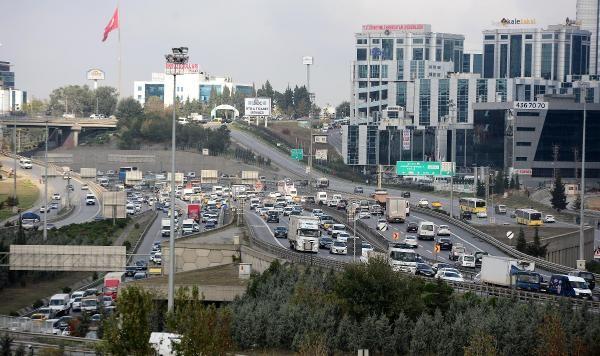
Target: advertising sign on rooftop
point(398, 28)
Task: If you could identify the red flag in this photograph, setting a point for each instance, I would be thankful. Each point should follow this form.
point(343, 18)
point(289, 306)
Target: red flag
point(112, 24)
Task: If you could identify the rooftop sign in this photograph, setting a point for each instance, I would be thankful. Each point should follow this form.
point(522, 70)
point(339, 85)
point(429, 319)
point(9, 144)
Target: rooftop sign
point(395, 28)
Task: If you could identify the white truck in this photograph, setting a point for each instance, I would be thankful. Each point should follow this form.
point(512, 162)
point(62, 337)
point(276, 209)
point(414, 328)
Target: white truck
point(401, 259)
point(165, 227)
point(303, 233)
point(189, 226)
point(501, 270)
point(395, 209)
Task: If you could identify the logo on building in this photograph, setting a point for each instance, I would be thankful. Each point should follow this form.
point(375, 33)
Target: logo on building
point(505, 21)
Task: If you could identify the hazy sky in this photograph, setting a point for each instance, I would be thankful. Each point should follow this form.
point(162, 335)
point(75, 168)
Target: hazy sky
point(53, 42)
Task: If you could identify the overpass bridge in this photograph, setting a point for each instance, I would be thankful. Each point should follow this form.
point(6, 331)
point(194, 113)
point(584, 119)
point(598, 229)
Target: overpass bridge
point(65, 130)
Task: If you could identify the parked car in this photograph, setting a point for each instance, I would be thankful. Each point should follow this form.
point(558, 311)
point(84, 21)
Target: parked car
point(358, 190)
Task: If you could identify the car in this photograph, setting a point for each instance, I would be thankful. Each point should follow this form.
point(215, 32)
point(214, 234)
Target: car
point(478, 257)
point(500, 209)
point(364, 215)
point(443, 230)
point(342, 236)
point(42, 209)
point(465, 215)
point(549, 219)
point(84, 187)
point(412, 227)
point(411, 240)
point(107, 301)
point(317, 212)
point(358, 190)
point(273, 217)
point(423, 203)
point(281, 231)
point(447, 274)
point(366, 246)
point(338, 248)
point(482, 214)
point(423, 269)
point(210, 224)
point(436, 205)
point(325, 242)
point(440, 265)
point(56, 196)
point(96, 318)
point(465, 260)
point(287, 211)
point(342, 204)
point(141, 265)
point(444, 243)
point(157, 258)
point(406, 195)
point(54, 205)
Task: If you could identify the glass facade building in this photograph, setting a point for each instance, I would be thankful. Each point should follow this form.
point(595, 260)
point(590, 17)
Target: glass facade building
point(157, 90)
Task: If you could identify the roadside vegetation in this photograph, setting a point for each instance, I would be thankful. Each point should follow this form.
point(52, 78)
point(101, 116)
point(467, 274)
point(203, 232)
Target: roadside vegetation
point(27, 195)
point(317, 312)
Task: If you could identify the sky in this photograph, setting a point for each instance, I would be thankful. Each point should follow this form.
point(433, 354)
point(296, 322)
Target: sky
point(52, 43)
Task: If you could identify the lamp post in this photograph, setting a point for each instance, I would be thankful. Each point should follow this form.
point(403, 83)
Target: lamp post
point(583, 88)
point(177, 58)
point(452, 109)
point(45, 233)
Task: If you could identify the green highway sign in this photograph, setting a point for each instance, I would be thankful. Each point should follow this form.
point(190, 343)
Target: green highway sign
point(423, 168)
point(297, 154)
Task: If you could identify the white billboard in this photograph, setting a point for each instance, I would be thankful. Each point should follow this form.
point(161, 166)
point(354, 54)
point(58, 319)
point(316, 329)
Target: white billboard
point(307, 60)
point(95, 74)
point(320, 138)
point(257, 106)
point(321, 154)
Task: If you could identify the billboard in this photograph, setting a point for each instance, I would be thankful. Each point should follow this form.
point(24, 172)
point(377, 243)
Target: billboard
point(113, 205)
point(181, 68)
point(95, 74)
point(321, 154)
point(307, 60)
point(209, 176)
point(406, 140)
point(320, 138)
point(257, 106)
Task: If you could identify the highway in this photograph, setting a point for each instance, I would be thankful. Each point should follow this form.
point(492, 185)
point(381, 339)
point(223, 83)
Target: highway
point(82, 212)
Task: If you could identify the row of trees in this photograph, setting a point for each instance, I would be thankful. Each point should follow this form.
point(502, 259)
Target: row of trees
point(499, 184)
point(368, 306)
point(293, 103)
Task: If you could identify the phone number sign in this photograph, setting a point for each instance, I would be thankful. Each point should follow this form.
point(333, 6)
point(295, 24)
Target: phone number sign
point(530, 105)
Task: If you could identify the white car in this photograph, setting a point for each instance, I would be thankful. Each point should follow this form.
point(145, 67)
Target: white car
point(42, 209)
point(317, 212)
point(76, 304)
point(443, 230)
point(423, 203)
point(338, 248)
point(342, 236)
point(549, 219)
point(364, 215)
point(56, 196)
point(411, 240)
point(466, 261)
point(274, 195)
point(76, 294)
point(446, 274)
point(84, 187)
point(482, 214)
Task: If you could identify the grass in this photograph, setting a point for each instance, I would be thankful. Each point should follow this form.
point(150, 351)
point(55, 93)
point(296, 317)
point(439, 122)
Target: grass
point(27, 194)
point(15, 298)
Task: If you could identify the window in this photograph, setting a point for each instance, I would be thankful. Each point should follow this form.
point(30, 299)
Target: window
point(521, 159)
point(374, 71)
point(375, 41)
point(362, 71)
point(387, 49)
point(438, 54)
point(401, 94)
point(525, 128)
point(362, 84)
point(528, 37)
point(361, 54)
point(361, 41)
point(417, 54)
point(528, 59)
point(528, 113)
point(488, 60)
point(139, 97)
point(372, 144)
point(489, 37)
point(503, 37)
point(448, 54)
point(546, 36)
point(481, 90)
point(417, 41)
point(399, 40)
point(555, 76)
point(438, 41)
point(384, 71)
point(400, 73)
point(515, 55)
point(353, 144)
point(524, 144)
point(546, 60)
point(466, 67)
point(463, 100)
point(501, 89)
point(567, 68)
point(503, 59)
point(399, 54)
point(577, 56)
point(443, 97)
point(140, 88)
point(477, 63)
point(424, 101)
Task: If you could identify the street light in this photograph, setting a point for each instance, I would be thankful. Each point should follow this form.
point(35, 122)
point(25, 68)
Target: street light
point(178, 57)
point(583, 86)
point(45, 233)
point(452, 110)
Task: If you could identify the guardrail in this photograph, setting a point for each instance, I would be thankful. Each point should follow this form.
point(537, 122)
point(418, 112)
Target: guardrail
point(142, 236)
point(37, 327)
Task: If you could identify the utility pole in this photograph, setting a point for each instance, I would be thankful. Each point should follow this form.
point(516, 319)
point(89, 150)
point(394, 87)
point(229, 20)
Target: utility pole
point(452, 110)
point(45, 233)
point(583, 86)
point(576, 160)
point(555, 149)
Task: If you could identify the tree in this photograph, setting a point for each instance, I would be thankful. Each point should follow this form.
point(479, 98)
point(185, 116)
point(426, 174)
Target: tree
point(342, 110)
point(480, 189)
point(517, 184)
point(511, 184)
point(536, 249)
point(552, 337)
point(129, 110)
point(127, 331)
point(34, 106)
point(521, 242)
point(106, 99)
point(481, 344)
point(559, 198)
point(73, 99)
point(5, 345)
point(154, 105)
point(499, 183)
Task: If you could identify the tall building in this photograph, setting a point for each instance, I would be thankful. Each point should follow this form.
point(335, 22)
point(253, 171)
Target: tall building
point(7, 78)
point(472, 63)
point(588, 17)
point(196, 86)
point(389, 55)
point(551, 53)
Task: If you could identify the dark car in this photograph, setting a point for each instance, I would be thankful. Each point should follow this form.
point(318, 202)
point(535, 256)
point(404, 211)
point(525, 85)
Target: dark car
point(130, 271)
point(588, 276)
point(296, 212)
point(478, 256)
point(423, 269)
point(406, 195)
point(280, 231)
point(325, 242)
point(210, 224)
point(141, 265)
point(342, 204)
point(465, 215)
point(412, 227)
point(358, 190)
point(444, 242)
point(403, 245)
point(310, 200)
point(273, 217)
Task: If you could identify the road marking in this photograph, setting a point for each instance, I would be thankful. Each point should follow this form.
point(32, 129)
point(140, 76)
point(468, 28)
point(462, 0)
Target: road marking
point(269, 229)
point(429, 252)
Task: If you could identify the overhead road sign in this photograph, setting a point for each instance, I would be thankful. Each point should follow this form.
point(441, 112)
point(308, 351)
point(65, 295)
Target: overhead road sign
point(424, 168)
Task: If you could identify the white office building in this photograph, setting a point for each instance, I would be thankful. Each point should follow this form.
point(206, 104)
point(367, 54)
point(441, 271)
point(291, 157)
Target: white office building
point(588, 18)
point(196, 86)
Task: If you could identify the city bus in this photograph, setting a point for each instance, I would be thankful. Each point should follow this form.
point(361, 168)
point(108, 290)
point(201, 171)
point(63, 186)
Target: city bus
point(472, 205)
point(529, 217)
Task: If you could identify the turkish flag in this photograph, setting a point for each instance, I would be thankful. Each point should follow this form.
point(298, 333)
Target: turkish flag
point(112, 24)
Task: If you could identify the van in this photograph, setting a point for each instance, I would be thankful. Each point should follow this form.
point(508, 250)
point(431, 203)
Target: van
point(189, 226)
point(321, 198)
point(165, 227)
point(426, 231)
point(90, 199)
point(130, 209)
point(60, 303)
point(500, 209)
point(103, 181)
point(569, 286)
point(588, 276)
point(25, 163)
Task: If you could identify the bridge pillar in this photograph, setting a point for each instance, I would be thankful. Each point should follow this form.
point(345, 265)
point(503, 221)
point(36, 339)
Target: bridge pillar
point(72, 139)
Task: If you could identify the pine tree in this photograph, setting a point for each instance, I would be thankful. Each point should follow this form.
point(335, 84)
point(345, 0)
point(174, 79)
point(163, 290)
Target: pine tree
point(559, 198)
point(521, 242)
point(536, 249)
point(499, 183)
point(517, 184)
point(511, 184)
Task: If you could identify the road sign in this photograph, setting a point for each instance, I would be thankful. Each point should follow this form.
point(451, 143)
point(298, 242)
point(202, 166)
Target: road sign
point(297, 154)
point(424, 168)
point(395, 235)
point(382, 226)
point(510, 235)
point(437, 248)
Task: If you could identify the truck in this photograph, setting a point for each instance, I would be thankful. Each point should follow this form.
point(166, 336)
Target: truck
point(133, 178)
point(189, 226)
point(401, 259)
point(165, 227)
point(509, 272)
point(395, 209)
point(187, 193)
point(193, 212)
point(87, 172)
point(304, 233)
point(112, 281)
point(322, 183)
point(380, 197)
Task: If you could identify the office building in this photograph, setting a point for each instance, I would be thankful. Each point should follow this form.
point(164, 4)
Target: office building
point(472, 63)
point(7, 78)
point(551, 53)
point(588, 18)
point(198, 86)
point(387, 55)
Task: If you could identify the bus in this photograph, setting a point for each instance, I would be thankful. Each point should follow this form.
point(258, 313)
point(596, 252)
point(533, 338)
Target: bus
point(472, 205)
point(529, 217)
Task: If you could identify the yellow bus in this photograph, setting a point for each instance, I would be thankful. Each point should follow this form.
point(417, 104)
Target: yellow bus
point(529, 217)
point(472, 205)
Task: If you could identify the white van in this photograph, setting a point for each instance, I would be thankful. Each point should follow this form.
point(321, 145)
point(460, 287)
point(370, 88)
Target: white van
point(321, 198)
point(189, 226)
point(25, 163)
point(426, 231)
point(103, 181)
point(217, 189)
point(130, 209)
point(60, 303)
point(165, 227)
point(90, 199)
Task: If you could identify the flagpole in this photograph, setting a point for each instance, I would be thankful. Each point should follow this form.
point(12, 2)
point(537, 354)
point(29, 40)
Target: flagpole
point(119, 35)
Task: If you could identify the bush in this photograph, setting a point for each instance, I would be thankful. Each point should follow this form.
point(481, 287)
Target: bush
point(38, 303)
point(285, 131)
point(136, 226)
point(127, 245)
point(67, 290)
point(95, 276)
